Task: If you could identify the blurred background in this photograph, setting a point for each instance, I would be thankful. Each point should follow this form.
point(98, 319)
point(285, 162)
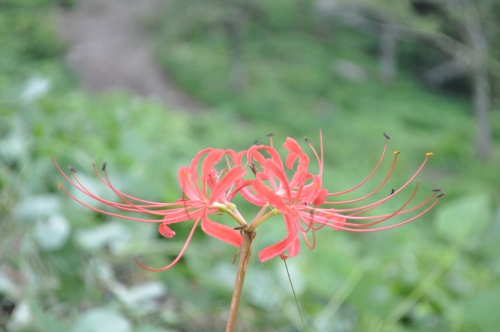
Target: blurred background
point(144, 85)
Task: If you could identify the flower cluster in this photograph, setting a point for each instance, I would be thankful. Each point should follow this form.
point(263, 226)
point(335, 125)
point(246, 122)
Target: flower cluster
point(259, 175)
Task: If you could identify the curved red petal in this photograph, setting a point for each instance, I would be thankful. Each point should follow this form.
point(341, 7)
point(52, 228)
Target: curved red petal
point(188, 187)
point(194, 165)
point(207, 167)
point(273, 169)
point(252, 198)
point(221, 232)
point(166, 231)
point(292, 146)
point(253, 153)
point(229, 179)
point(294, 151)
point(286, 243)
point(268, 194)
point(293, 250)
point(321, 197)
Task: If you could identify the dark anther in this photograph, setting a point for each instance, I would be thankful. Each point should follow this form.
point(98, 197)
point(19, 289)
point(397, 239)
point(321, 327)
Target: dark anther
point(386, 136)
point(93, 164)
point(72, 169)
point(254, 169)
point(306, 139)
point(103, 167)
point(270, 134)
point(436, 190)
point(255, 143)
point(392, 191)
point(440, 195)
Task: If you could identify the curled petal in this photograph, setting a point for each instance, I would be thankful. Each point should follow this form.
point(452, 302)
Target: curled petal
point(239, 186)
point(166, 231)
point(253, 153)
point(321, 197)
point(229, 179)
point(289, 242)
point(268, 194)
point(273, 169)
point(188, 187)
point(253, 198)
point(314, 190)
point(293, 249)
point(221, 232)
point(295, 151)
point(193, 172)
point(207, 168)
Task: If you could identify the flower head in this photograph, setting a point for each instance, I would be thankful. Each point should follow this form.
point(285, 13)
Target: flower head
point(291, 198)
point(286, 188)
point(204, 194)
point(307, 206)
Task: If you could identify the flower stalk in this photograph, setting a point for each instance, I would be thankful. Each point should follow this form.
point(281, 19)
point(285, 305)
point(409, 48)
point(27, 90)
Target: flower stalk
point(245, 253)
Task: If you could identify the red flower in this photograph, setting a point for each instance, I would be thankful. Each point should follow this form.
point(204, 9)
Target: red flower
point(210, 193)
point(301, 200)
point(292, 198)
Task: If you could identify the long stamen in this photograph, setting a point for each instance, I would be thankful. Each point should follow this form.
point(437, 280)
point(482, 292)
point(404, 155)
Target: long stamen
point(372, 207)
point(129, 206)
point(376, 189)
point(325, 218)
point(391, 226)
point(270, 135)
point(173, 215)
point(108, 183)
point(79, 186)
point(368, 177)
point(311, 244)
point(123, 198)
point(384, 216)
point(310, 226)
point(427, 200)
point(388, 197)
point(106, 212)
point(398, 211)
point(184, 247)
point(318, 159)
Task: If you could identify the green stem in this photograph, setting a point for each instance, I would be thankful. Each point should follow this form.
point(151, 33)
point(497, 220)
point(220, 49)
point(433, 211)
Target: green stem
point(258, 222)
point(245, 252)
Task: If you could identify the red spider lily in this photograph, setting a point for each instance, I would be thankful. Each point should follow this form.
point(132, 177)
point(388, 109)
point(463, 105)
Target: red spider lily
point(211, 193)
point(300, 199)
point(291, 198)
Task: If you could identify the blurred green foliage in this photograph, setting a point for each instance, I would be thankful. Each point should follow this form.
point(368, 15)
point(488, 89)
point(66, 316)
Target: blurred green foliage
point(74, 269)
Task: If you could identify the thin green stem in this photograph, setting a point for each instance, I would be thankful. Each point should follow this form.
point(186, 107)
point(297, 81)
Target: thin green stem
point(258, 222)
point(294, 295)
point(235, 214)
point(232, 211)
point(245, 252)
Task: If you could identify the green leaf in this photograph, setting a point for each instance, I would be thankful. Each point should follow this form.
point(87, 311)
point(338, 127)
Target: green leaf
point(464, 218)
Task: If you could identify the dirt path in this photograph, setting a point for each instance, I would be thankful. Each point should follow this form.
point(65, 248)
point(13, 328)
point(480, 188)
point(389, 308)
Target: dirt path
point(110, 51)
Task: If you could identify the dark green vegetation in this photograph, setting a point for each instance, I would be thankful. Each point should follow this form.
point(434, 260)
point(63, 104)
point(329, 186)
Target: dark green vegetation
point(439, 273)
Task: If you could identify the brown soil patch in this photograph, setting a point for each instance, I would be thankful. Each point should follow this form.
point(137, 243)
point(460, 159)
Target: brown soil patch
point(109, 50)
